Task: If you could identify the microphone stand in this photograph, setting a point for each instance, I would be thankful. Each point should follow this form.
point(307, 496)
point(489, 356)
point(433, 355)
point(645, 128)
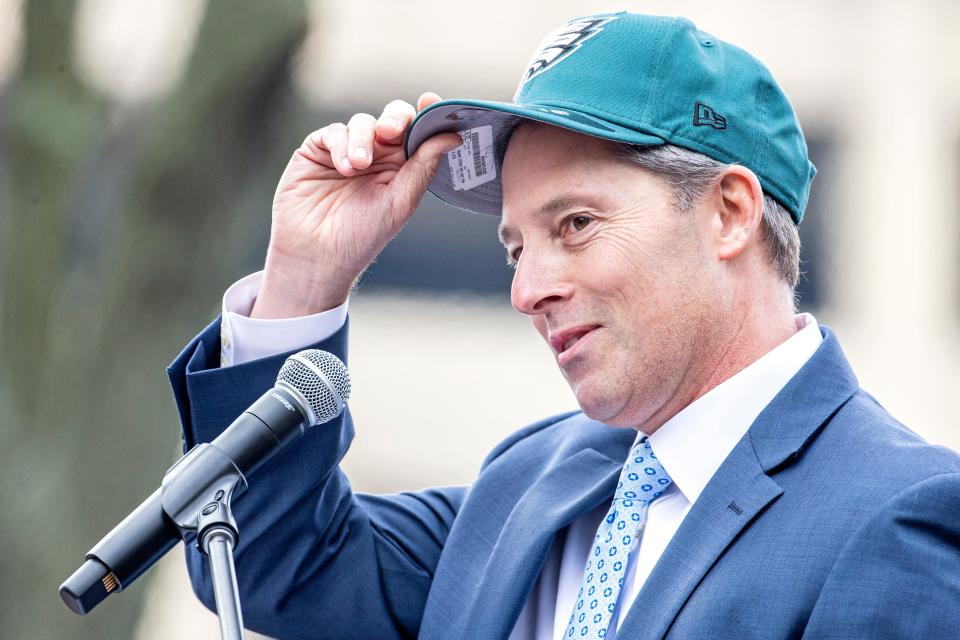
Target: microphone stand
point(218, 545)
point(202, 511)
point(193, 503)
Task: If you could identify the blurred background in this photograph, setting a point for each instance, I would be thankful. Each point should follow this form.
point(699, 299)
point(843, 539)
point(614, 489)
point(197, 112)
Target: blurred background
point(140, 145)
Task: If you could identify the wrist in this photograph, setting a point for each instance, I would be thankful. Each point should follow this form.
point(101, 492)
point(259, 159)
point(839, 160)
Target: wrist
point(295, 290)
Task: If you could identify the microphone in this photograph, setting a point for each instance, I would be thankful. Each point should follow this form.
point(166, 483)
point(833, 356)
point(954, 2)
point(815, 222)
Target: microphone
point(312, 388)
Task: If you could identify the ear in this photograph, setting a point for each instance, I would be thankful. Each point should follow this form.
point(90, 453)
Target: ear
point(739, 210)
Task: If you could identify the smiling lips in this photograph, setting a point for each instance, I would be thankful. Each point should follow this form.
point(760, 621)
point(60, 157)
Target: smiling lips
point(563, 342)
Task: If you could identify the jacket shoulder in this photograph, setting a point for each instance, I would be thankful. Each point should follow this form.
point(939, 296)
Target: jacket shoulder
point(529, 431)
point(874, 436)
point(907, 554)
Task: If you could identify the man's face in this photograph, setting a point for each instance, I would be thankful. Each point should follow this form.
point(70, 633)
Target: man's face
point(613, 277)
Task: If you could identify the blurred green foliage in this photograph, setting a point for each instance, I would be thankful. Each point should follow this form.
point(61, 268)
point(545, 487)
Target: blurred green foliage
point(119, 229)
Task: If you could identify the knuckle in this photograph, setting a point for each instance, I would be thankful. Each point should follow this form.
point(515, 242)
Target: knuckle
point(401, 106)
point(361, 119)
point(334, 134)
point(314, 136)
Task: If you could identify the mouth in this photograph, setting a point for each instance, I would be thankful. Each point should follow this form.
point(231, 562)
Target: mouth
point(568, 342)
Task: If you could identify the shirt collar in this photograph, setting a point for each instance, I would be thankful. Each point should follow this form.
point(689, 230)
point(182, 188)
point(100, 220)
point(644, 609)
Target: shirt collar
point(693, 444)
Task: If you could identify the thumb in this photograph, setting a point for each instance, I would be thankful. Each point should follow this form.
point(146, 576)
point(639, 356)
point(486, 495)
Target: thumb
point(415, 175)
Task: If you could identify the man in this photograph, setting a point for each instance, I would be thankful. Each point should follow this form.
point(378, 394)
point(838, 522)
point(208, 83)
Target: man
point(726, 477)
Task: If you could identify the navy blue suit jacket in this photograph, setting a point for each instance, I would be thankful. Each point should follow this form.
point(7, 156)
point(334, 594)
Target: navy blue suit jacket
point(829, 519)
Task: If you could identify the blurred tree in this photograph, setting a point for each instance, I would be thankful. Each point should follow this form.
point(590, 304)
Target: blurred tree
point(119, 229)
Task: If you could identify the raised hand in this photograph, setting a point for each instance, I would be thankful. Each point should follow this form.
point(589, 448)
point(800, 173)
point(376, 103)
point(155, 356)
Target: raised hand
point(346, 192)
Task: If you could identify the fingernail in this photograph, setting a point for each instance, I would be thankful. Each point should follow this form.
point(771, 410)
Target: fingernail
point(361, 154)
point(392, 123)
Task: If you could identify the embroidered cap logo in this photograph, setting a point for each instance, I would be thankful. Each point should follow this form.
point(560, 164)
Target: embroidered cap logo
point(560, 43)
point(707, 116)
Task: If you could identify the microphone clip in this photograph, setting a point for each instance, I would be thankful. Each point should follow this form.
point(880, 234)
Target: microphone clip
point(197, 493)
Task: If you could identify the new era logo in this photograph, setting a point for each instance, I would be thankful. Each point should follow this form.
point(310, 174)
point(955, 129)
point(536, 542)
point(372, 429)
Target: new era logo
point(705, 116)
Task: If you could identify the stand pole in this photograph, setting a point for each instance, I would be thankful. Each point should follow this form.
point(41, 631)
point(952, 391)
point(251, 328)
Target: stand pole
point(207, 513)
point(218, 544)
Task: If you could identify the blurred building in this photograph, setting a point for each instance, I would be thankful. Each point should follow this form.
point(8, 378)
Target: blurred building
point(876, 94)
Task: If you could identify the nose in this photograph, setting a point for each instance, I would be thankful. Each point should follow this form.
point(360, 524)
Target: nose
point(539, 283)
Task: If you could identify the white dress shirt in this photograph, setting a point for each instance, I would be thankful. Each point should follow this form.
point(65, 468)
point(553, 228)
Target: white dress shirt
point(690, 446)
point(243, 338)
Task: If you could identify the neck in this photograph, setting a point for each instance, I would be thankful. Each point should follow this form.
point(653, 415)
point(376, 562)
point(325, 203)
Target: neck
point(753, 329)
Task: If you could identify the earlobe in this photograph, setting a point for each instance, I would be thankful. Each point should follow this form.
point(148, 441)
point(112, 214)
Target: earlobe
point(740, 211)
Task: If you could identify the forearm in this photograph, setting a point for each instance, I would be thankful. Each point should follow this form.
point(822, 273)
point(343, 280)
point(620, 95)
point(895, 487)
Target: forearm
point(312, 554)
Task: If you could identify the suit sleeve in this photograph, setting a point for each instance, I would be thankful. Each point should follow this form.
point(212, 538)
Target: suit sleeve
point(314, 558)
point(899, 575)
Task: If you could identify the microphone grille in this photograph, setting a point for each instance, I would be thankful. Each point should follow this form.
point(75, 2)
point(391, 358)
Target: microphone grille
point(320, 378)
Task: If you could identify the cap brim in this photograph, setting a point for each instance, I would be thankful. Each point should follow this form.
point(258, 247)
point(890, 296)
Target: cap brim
point(461, 115)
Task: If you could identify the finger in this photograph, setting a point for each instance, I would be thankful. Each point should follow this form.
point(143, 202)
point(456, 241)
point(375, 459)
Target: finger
point(394, 120)
point(416, 173)
point(427, 99)
point(314, 150)
point(315, 140)
point(334, 138)
point(360, 134)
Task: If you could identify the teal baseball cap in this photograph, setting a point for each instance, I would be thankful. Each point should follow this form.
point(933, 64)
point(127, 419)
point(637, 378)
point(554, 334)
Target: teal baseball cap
point(633, 78)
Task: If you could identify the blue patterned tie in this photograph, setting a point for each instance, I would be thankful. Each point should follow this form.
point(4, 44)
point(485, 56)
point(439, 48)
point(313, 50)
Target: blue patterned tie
point(642, 481)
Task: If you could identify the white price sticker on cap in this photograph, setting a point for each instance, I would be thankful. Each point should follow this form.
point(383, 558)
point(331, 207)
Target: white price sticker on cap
point(471, 164)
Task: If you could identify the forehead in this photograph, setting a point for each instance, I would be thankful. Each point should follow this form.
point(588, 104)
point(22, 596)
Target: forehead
point(548, 169)
point(529, 139)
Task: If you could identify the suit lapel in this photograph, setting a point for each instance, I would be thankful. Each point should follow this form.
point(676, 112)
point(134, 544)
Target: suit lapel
point(741, 488)
point(738, 491)
point(565, 491)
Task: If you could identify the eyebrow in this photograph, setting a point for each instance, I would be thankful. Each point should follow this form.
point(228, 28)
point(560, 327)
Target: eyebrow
point(562, 202)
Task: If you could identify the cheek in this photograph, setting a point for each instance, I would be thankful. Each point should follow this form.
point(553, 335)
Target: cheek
point(628, 252)
point(645, 288)
point(619, 271)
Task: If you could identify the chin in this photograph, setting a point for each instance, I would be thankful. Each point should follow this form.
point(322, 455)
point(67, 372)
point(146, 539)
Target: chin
point(604, 407)
point(611, 405)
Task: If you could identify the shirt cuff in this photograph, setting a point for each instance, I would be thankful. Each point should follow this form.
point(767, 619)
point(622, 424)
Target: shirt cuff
point(243, 338)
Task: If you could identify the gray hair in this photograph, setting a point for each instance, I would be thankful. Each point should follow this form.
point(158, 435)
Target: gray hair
point(689, 174)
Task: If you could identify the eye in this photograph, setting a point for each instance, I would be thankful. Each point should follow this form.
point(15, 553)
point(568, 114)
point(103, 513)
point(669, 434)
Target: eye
point(578, 222)
point(513, 257)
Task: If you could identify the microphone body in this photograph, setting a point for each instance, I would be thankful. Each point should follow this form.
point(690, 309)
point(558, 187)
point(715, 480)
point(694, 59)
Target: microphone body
point(204, 480)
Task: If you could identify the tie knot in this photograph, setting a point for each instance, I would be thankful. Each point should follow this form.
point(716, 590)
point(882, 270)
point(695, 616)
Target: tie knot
point(643, 479)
